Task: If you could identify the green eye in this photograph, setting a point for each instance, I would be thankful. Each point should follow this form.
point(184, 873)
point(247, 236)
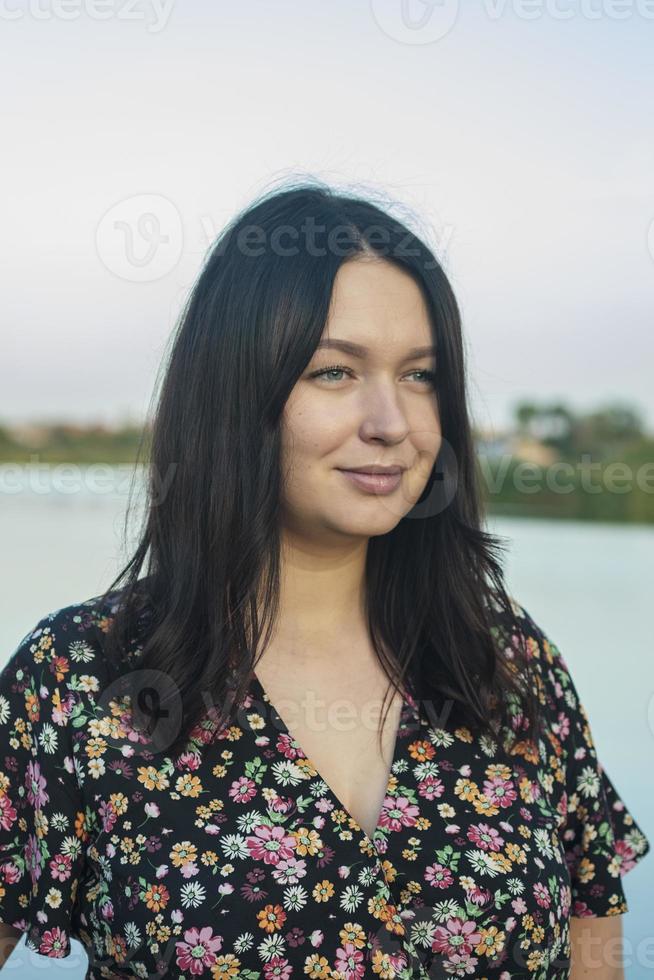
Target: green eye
point(429, 376)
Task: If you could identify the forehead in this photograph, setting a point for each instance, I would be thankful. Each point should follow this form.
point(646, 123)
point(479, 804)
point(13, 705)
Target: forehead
point(376, 304)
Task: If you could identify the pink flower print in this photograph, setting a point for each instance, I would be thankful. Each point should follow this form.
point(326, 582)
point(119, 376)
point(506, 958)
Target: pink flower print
point(199, 949)
point(542, 895)
point(10, 873)
point(33, 859)
point(479, 896)
point(500, 791)
point(281, 804)
point(565, 900)
point(107, 910)
point(457, 939)
point(412, 702)
point(519, 906)
point(7, 813)
point(563, 804)
point(286, 747)
point(431, 787)
point(290, 870)
point(36, 784)
point(581, 910)
point(460, 965)
point(53, 943)
point(206, 731)
point(349, 962)
point(60, 714)
point(398, 812)
point(270, 844)
point(60, 866)
point(563, 725)
point(438, 876)
point(277, 969)
point(624, 856)
point(243, 789)
point(189, 869)
point(485, 837)
point(108, 815)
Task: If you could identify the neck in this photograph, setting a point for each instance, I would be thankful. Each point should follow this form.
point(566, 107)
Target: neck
point(321, 599)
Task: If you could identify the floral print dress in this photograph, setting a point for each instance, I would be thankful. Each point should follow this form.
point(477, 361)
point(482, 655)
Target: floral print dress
point(236, 859)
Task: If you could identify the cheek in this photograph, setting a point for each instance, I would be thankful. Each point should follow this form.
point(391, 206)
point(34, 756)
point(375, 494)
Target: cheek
point(426, 443)
point(313, 432)
point(426, 435)
point(303, 447)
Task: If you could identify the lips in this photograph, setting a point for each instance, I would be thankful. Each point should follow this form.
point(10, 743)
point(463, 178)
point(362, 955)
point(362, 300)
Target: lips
point(383, 470)
point(384, 482)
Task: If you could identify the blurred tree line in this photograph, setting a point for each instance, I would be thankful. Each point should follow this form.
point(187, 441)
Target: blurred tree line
point(598, 466)
point(551, 462)
point(604, 434)
point(71, 443)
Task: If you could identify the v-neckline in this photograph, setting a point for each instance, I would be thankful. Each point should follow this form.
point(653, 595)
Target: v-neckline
point(407, 710)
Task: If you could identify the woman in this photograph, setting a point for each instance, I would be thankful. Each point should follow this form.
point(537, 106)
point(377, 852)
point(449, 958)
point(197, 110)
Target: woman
point(192, 782)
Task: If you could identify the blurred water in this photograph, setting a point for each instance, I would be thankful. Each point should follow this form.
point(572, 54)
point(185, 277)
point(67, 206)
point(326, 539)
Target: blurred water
point(587, 586)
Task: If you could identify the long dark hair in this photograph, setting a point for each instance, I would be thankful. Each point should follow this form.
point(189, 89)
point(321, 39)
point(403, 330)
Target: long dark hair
point(439, 616)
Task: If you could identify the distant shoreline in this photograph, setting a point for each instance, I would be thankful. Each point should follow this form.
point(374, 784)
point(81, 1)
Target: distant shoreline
point(551, 465)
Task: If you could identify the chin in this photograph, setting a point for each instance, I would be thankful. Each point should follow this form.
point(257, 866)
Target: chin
point(367, 525)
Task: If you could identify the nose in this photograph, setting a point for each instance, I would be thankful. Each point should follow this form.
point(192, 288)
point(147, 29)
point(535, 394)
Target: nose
point(383, 415)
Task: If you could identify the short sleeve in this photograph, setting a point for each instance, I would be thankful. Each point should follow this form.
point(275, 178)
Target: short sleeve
point(601, 839)
point(42, 817)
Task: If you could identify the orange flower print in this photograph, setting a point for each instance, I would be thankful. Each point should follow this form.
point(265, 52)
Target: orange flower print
point(271, 918)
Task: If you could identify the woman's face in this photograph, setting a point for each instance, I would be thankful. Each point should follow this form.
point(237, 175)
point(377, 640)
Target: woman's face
point(377, 407)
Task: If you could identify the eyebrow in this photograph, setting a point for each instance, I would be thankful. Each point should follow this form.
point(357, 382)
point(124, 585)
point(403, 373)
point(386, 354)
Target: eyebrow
point(357, 350)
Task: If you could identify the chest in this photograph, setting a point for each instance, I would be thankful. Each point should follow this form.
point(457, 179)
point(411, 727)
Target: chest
point(249, 843)
point(334, 723)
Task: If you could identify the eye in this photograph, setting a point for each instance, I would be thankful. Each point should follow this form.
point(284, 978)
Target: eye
point(333, 369)
point(429, 377)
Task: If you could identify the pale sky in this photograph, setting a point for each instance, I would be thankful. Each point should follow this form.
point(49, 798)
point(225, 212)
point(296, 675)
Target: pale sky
point(521, 134)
